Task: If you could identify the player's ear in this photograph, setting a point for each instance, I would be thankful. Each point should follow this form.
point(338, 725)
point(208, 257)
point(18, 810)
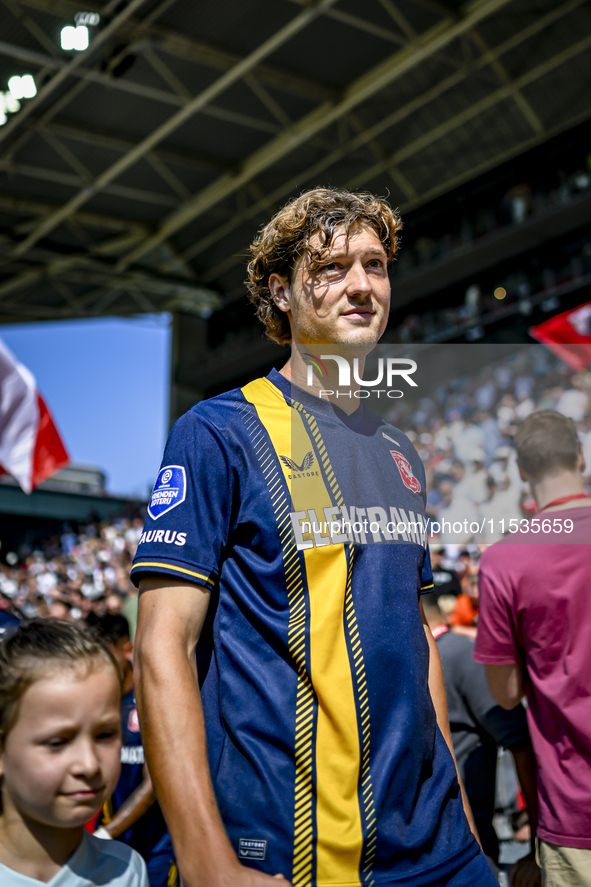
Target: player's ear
point(280, 291)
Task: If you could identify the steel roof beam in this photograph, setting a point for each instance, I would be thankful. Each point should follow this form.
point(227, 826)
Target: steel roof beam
point(382, 125)
point(520, 100)
point(201, 52)
point(62, 75)
point(27, 206)
point(492, 162)
point(474, 110)
point(434, 135)
point(32, 27)
point(82, 270)
point(133, 88)
point(399, 18)
point(75, 132)
point(72, 180)
point(200, 101)
point(366, 86)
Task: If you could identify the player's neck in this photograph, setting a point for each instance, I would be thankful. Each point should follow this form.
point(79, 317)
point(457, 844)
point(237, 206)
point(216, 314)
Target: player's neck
point(559, 486)
point(33, 849)
point(322, 378)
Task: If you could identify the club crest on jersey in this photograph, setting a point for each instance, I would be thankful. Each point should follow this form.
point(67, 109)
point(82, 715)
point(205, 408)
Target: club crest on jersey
point(404, 467)
point(133, 722)
point(169, 490)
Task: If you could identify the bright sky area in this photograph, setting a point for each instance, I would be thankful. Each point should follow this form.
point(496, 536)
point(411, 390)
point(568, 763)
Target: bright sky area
point(106, 384)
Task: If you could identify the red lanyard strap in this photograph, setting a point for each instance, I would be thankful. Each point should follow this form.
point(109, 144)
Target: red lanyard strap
point(564, 499)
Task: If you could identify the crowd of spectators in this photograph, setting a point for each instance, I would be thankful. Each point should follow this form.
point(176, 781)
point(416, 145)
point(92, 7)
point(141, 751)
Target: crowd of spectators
point(75, 573)
point(464, 432)
point(533, 279)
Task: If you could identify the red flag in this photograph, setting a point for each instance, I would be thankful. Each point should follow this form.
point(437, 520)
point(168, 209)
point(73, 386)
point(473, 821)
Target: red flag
point(568, 336)
point(31, 448)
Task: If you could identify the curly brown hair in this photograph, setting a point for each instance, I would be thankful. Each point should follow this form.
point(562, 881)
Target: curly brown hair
point(286, 238)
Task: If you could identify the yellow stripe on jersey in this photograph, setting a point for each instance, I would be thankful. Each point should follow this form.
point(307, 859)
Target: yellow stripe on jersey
point(358, 668)
point(141, 565)
point(338, 817)
point(303, 855)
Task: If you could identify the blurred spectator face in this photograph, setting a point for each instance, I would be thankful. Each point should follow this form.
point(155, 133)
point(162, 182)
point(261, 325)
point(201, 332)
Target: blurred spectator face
point(464, 561)
point(436, 553)
point(446, 491)
point(113, 604)
point(60, 610)
point(470, 585)
point(457, 470)
point(122, 650)
point(447, 604)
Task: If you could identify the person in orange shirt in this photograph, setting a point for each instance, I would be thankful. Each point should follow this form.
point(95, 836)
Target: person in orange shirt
point(465, 614)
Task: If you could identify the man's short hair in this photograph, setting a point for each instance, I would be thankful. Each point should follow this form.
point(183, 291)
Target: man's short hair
point(547, 442)
point(286, 238)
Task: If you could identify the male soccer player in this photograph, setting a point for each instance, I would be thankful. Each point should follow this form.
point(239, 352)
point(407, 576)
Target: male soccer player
point(533, 635)
point(285, 545)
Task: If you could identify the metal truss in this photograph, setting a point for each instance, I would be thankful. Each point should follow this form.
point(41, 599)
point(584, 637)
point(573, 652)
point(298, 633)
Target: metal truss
point(131, 240)
point(150, 292)
point(373, 132)
point(196, 104)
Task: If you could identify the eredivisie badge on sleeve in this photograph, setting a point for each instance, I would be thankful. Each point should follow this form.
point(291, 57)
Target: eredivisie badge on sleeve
point(405, 469)
point(169, 490)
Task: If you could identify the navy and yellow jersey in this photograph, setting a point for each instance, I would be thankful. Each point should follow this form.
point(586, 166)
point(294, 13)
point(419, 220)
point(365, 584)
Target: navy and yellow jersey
point(308, 527)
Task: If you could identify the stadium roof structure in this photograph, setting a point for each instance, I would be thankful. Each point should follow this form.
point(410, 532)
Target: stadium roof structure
point(135, 178)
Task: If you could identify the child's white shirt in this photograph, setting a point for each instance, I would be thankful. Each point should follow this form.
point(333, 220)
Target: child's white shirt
point(95, 862)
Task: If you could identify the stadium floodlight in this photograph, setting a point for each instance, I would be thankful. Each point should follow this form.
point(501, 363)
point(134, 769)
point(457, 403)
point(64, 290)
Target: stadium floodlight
point(28, 85)
point(3, 117)
point(22, 87)
point(75, 38)
point(9, 103)
point(87, 18)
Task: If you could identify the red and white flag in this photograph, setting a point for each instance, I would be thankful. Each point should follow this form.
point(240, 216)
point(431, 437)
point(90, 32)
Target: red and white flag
point(568, 336)
point(31, 448)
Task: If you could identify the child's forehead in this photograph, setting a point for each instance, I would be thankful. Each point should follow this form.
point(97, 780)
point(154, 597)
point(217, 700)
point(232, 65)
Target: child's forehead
point(65, 684)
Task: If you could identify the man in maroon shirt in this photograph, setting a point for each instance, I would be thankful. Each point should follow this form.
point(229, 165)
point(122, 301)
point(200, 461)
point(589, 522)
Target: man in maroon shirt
point(533, 636)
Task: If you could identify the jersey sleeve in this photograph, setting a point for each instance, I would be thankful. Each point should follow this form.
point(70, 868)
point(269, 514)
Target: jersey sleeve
point(497, 638)
point(190, 508)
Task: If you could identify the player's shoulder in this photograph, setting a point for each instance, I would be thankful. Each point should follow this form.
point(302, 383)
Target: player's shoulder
point(399, 441)
point(114, 863)
point(381, 427)
point(212, 422)
point(214, 410)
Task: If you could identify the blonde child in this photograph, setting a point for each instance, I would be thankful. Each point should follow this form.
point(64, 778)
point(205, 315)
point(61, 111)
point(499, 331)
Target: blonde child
point(59, 759)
